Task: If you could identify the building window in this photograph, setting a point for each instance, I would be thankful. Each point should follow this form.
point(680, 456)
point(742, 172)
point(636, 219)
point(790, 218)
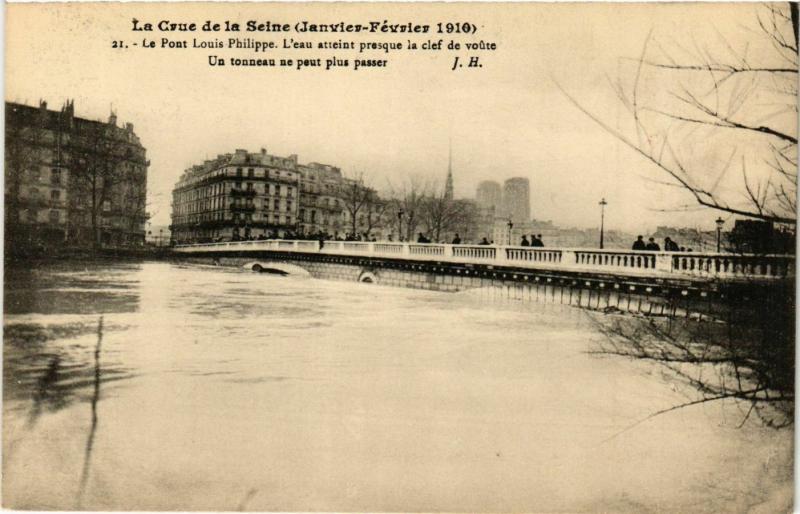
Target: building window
point(250, 172)
point(55, 194)
point(238, 184)
point(238, 172)
point(55, 216)
point(250, 185)
point(55, 176)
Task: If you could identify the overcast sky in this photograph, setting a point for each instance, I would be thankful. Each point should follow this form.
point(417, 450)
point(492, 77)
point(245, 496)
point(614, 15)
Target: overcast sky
point(506, 119)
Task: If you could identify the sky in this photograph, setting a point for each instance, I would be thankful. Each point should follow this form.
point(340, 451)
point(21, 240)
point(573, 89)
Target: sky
point(509, 118)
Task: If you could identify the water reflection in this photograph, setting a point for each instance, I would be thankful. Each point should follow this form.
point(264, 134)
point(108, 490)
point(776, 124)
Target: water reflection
point(62, 289)
point(49, 394)
point(87, 458)
point(51, 366)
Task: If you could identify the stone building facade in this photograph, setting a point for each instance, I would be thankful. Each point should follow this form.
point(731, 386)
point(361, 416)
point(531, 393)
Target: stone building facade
point(71, 181)
point(321, 207)
point(236, 196)
point(245, 195)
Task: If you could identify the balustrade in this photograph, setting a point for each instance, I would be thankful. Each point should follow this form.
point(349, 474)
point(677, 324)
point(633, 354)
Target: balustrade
point(475, 252)
point(708, 265)
point(308, 245)
point(533, 255)
point(725, 265)
point(635, 260)
point(389, 248)
point(357, 246)
point(426, 249)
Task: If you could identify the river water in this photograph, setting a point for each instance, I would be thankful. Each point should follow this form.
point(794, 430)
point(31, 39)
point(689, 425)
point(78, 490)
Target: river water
point(218, 389)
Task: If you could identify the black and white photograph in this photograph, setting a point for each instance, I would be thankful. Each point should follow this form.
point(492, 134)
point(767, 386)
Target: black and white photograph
point(400, 257)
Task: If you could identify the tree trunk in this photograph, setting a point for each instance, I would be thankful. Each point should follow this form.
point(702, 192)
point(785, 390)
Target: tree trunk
point(95, 228)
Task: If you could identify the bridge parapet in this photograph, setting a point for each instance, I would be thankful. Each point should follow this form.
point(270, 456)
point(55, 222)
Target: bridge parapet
point(617, 262)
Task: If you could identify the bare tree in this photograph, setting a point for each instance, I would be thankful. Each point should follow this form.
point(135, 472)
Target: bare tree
point(745, 356)
point(720, 124)
point(132, 200)
point(374, 212)
point(407, 199)
point(356, 196)
point(445, 216)
point(100, 169)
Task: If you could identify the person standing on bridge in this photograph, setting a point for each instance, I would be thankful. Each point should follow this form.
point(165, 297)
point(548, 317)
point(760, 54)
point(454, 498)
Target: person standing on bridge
point(639, 244)
point(456, 240)
point(484, 242)
point(652, 246)
point(524, 241)
point(670, 245)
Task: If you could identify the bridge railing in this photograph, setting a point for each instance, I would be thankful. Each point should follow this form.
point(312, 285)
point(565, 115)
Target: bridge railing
point(627, 262)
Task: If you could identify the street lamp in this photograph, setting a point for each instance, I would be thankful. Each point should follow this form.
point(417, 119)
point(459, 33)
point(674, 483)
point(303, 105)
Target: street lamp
point(510, 226)
point(719, 223)
point(400, 224)
point(602, 205)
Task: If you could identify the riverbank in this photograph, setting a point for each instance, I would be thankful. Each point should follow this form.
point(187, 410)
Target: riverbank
point(42, 255)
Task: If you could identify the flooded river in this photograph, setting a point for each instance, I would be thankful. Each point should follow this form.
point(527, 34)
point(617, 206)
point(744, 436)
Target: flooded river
point(217, 389)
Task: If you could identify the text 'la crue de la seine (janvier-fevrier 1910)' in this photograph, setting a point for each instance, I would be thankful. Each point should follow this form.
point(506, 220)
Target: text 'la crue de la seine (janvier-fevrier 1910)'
point(372, 27)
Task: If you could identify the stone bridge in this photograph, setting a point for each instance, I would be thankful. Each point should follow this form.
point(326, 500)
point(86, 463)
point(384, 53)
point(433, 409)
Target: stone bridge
point(648, 282)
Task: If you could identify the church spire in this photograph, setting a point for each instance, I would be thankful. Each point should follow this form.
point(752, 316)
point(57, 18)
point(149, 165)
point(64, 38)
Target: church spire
point(448, 187)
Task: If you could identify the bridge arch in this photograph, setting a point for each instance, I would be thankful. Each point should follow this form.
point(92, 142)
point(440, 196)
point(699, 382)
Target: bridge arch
point(368, 277)
point(277, 268)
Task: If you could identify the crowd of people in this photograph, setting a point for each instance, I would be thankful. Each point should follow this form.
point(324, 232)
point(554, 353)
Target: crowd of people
point(535, 240)
point(652, 246)
point(295, 236)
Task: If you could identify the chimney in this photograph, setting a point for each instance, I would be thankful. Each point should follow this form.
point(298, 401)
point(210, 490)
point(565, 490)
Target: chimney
point(112, 119)
point(263, 151)
point(68, 109)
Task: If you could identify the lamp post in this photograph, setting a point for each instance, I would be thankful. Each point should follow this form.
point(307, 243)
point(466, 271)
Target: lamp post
point(400, 225)
point(719, 223)
point(510, 226)
point(602, 205)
